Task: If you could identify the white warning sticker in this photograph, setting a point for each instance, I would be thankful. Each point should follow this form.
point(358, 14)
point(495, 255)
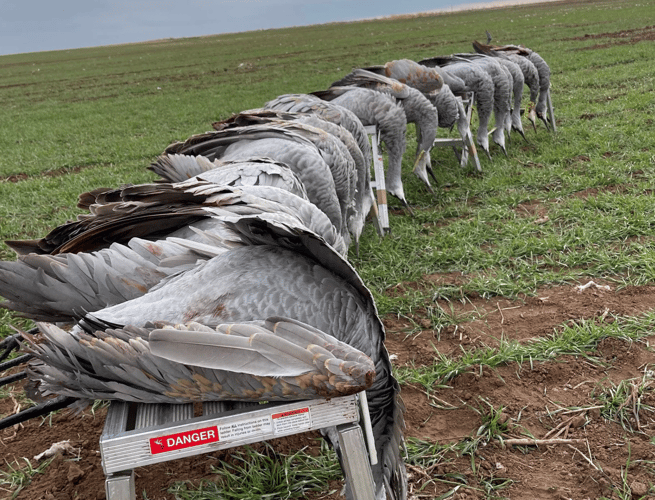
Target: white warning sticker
point(245, 428)
point(292, 420)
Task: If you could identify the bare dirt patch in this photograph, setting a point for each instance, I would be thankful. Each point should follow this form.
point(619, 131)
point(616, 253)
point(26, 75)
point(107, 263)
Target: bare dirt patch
point(602, 457)
point(623, 37)
point(533, 400)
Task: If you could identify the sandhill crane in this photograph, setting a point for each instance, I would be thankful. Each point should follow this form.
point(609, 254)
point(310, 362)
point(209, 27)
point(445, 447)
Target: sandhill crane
point(331, 148)
point(264, 115)
point(530, 73)
point(252, 171)
point(192, 210)
point(307, 103)
point(427, 80)
point(423, 78)
point(503, 84)
point(477, 81)
point(542, 69)
point(375, 108)
point(280, 291)
point(418, 110)
point(531, 78)
point(340, 143)
point(310, 104)
point(518, 81)
point(290, 148)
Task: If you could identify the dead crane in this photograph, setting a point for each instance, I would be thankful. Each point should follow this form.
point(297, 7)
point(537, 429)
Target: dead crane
point(422, 78)
point(285, 146)
point(530, 73)
point(307, 104)
point(295, 310)
point(335, 143)
point(252, 171)
point(518, 81)
point(544, 76)
point(192, 210)
point(477, 81)
point(503, 84)
point(418, 110)
point(428, 80)
point(376, 108)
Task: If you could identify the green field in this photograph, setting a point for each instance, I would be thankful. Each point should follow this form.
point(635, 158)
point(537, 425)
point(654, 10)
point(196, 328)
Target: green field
point(76, 120)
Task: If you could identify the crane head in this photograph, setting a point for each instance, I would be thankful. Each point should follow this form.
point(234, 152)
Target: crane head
point(422, 167)
point(532, 115)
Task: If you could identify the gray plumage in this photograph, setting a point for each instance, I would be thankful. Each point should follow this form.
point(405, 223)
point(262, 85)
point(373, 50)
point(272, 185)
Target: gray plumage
point(120, 252)
point(277, 271)
point(446, 103)
point(418, 110)
point(423, 78)
point(478, 81)
point(435, 83)
point(375, 108)
point(518, 81)
point(290, 148)
point(307, 104)
point(528, 70)
point(338, 158)
point(249, 172)
point(336, 144)
point(276, 359)
point(531, 77)
point(333, 151)
point(450, 109)
point(502, 93)
point(543, 71)
point(363, 200)
point(544, 84)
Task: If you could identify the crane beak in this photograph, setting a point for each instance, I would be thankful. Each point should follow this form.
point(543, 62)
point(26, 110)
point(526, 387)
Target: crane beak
point(532, 116)
point(421, 168)
point(543, 119)
point(409, 209)
point(520, 131)
point(499, 139)
point(431, 172)
point(405, 204)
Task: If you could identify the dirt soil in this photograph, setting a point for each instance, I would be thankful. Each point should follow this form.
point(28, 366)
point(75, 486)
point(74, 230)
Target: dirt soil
point(596, 457)
point(591, 464)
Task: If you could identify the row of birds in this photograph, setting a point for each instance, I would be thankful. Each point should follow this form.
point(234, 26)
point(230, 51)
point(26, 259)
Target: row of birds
point(228, 278)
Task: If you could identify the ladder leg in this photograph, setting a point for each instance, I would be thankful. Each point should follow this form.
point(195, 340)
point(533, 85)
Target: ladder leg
point(120, 486)
point(551, 112)
point(355, 462)
point(380, 189)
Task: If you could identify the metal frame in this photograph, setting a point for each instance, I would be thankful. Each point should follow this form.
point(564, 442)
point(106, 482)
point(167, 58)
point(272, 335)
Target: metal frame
point(137, 435)
point(550, 111)
point(466, 144)
point(381, 212)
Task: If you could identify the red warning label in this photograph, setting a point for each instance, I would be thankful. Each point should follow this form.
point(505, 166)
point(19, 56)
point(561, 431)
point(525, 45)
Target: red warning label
point(291, 420)
point(181, 440)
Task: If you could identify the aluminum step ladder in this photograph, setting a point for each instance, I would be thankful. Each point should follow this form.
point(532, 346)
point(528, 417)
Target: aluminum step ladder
point(466, 144)
point(551, 112)
point(380, 210)
point(138, 435)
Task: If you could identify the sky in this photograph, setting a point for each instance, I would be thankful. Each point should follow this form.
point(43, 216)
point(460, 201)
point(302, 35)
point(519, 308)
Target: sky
point(40, 25)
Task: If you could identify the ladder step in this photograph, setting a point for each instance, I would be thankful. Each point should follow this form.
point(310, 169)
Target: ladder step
point(137, 435)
